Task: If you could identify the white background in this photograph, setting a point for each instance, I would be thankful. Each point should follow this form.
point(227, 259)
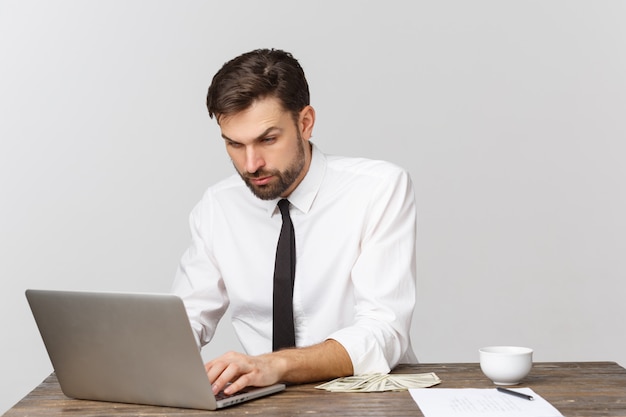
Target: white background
point(510, 116)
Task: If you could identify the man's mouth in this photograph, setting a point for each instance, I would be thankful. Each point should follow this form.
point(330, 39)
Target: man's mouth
point(261, 180)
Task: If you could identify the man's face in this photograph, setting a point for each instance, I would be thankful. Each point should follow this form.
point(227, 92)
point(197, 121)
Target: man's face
point(268, 148)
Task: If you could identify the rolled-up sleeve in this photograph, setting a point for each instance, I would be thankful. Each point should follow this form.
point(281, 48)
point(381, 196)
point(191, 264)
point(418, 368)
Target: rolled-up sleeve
point(384, 278)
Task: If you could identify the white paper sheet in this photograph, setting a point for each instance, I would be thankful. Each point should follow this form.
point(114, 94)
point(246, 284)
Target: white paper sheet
point(480, 402)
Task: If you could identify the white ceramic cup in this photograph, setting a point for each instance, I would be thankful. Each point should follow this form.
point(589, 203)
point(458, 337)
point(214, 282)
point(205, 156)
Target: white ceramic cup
point(506, 365)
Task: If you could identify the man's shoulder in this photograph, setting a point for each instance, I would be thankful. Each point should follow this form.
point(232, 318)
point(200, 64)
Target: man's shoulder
point(364, 167)
point(229, 195)
point(226, 188)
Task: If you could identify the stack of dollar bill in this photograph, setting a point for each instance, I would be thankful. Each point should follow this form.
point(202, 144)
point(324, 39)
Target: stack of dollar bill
point(380, 382)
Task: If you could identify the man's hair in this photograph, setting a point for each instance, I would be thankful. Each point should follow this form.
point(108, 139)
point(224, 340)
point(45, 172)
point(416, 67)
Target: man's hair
point(257, 75)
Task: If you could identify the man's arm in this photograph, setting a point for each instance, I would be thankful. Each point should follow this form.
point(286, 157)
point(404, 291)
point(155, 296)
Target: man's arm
point(314, 363)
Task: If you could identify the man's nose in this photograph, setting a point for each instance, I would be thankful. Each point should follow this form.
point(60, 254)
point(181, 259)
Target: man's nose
point(254, 160)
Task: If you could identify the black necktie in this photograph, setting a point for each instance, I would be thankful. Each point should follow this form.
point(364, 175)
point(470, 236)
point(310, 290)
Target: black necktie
point(283, 335)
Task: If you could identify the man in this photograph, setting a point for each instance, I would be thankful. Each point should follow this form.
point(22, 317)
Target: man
point(354, 227)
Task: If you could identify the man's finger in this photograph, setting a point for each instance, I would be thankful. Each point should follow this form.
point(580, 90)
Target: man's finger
point(230, 373)
point(236, 385)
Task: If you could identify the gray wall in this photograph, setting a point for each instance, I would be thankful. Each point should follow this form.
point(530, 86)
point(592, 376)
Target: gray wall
point(510, 116)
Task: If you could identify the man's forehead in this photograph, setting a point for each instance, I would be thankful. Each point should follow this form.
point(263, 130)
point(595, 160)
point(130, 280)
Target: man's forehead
point(248, 124)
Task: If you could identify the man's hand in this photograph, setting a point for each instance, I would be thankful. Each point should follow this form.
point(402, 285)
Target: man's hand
point(242, 371)
point(323, 361)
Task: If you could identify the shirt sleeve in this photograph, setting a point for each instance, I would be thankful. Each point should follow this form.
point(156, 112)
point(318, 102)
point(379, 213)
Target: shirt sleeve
point(198, 280)
point(384, 280)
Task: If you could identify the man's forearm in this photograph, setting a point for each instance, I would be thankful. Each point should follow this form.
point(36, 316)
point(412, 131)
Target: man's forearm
point(326, 360)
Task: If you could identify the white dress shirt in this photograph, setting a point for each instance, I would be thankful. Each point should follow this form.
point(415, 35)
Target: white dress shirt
point(355, 226)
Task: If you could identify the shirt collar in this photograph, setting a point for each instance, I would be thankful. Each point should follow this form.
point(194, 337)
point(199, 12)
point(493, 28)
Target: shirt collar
point(303, 196)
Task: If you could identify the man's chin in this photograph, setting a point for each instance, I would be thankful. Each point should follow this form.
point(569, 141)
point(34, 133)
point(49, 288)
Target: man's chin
point(264, 192)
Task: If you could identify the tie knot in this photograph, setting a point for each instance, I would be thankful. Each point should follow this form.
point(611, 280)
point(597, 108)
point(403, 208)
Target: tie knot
point(283, 206)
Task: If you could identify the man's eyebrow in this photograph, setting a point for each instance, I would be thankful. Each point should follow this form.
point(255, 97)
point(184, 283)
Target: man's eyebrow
point(265, 133)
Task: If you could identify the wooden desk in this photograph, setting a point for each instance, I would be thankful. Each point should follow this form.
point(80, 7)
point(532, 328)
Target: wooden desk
point(577, 389)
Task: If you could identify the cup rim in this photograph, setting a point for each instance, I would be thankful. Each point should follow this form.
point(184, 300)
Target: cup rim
point(505, 350)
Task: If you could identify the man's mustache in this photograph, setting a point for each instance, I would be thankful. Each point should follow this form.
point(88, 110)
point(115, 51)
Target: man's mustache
point(257, 174)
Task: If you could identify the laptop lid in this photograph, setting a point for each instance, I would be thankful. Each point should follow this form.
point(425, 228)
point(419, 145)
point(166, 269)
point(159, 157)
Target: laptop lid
point(124, 347)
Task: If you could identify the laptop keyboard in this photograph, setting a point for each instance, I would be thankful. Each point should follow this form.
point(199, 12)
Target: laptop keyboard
point(222, 396)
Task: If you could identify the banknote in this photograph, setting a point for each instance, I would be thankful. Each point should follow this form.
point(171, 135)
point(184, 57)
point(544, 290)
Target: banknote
point(380, 382)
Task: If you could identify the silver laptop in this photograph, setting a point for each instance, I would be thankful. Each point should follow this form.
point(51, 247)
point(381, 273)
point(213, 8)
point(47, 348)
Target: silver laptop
point(129, 348)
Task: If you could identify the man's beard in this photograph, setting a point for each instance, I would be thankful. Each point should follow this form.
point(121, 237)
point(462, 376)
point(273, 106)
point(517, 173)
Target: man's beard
point(281, 180)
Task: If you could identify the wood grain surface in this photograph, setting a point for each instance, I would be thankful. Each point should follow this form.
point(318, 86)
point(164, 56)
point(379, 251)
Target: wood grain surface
point(577, 389)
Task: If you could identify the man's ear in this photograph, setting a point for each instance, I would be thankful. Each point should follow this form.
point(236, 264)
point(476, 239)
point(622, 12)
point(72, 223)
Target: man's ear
point(306, 122)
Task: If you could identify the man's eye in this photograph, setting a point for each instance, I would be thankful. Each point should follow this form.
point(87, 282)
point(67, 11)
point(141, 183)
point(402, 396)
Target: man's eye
point(234, 145)
point(270, 139)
